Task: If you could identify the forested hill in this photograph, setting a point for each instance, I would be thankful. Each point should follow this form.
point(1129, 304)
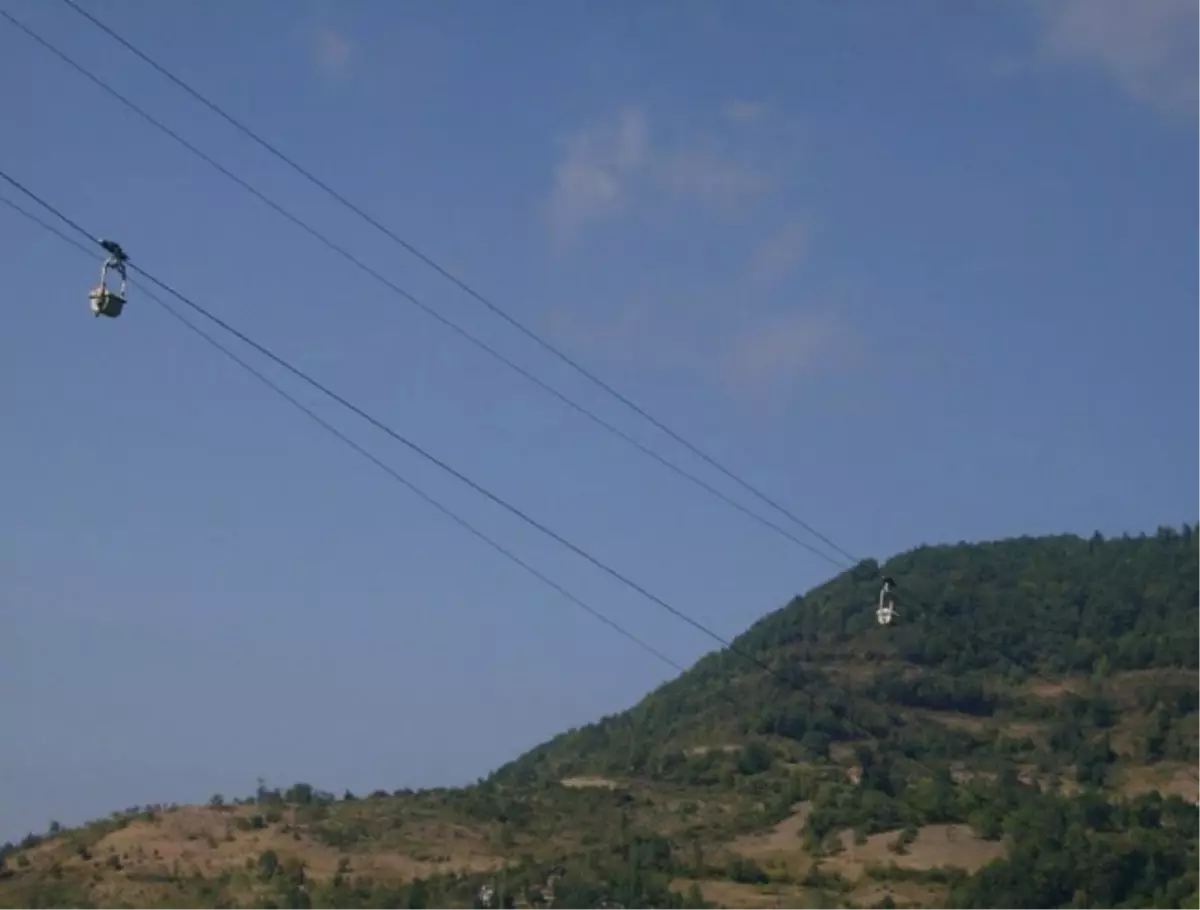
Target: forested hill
point(978, 625)
point(1024, 735)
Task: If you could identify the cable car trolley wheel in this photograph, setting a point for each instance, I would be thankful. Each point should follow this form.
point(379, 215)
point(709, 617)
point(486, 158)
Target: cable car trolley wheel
point(104, 300)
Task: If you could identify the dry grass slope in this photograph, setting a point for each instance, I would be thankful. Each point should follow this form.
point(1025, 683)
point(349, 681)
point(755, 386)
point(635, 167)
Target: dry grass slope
point(134, 863)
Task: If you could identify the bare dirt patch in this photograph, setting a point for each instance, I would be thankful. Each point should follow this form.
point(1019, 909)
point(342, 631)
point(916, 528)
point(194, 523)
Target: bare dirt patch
point(1128, 682)
point(604, 783)
point(782, 840)
point(843, 754)
point(734, 894)
point(704, 750)
point(1167, 778)
point(1056, 688)
point(952, 719)
point(1125, 735)
point(936, 845)
point(1022, 729)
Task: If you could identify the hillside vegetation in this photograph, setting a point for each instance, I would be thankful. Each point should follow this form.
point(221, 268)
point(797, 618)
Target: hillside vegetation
point(1025, 735)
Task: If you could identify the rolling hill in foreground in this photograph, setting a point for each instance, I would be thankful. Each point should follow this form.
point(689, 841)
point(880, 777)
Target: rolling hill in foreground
point(1024, 736)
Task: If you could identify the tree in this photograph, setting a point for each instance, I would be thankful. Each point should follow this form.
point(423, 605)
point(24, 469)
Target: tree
point(1154, 740)
point(268, 864)
point(754, 758)
point(418, 895)
point(299, 794)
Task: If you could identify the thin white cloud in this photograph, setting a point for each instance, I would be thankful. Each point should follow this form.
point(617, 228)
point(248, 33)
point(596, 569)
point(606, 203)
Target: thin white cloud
point(591, 181)
point(742, 111)
point(775, 351)
point(723, 322)
point(333, 52)
point(718, 335)
point(780, 254)
point(612, 164)
point(1148, 48)
point(659, 334)
point(701, 173)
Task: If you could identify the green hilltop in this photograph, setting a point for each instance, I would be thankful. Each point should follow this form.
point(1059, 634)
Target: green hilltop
point(977, 623)
point(1023, 735)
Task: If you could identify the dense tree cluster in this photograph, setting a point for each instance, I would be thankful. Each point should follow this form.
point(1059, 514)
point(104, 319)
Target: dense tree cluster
point(978, 621)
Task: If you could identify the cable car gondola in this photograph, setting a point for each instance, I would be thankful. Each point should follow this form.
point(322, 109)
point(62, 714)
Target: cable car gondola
point(886, 611)
point(105, 301)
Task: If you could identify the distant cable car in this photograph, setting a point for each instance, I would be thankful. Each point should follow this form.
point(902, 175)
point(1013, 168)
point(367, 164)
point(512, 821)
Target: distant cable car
point(886, 611)
point(104, 301)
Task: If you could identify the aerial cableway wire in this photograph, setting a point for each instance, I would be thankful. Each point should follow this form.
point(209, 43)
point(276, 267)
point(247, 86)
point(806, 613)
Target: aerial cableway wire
point(378, 462)
point(444, 320)
point(382, 465)
point(370, 456)
point(454, 279)
point(407, 443)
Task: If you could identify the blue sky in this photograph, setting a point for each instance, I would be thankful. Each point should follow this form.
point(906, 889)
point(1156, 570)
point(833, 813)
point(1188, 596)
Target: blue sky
point(924, 271)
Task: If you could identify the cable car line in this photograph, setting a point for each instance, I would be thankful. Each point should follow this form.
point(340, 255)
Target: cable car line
point(383, 466)
point(361, 450)
point(496, 309)
point(378, 462)
point(459, 330)
point(395, 475)
point(403, 440)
